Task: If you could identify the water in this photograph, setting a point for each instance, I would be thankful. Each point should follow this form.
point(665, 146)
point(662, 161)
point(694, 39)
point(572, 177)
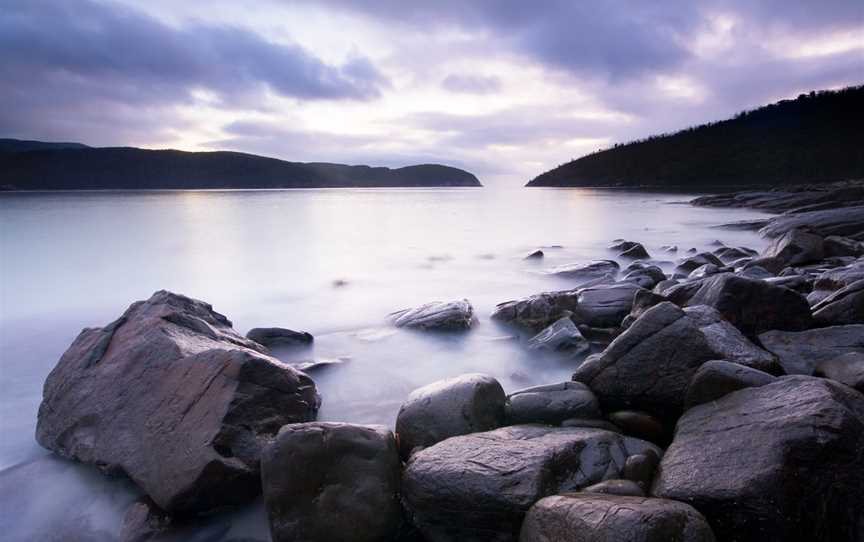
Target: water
point(273, 258)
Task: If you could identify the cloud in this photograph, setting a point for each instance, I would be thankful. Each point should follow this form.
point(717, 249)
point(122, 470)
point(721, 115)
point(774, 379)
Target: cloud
point(471, 84)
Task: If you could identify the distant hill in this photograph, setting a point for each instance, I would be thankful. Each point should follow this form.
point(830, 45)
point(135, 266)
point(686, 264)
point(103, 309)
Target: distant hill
point(33, 165)
point(816, 138)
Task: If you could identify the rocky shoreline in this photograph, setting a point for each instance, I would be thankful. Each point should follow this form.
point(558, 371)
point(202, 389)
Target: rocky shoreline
point(722, 401)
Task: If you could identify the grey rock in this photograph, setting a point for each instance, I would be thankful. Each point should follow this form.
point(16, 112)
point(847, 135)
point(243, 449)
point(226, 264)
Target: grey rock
point(801, 352)
point(595, 269)
point(847, 369)
point(552, 404)
point(332, 481)
point(781, 462)
point(640, 468)
point(617, 487)
point(273, 337)
point(755, 272)
point(845, 306)
point(730, 254)
point(561, 336)
point(718, 378)
point(536, 255)
point(846, 221)
point(800, 283)
point(591, 423)
point(171, 396)
point(646, 276)
point(585, 517)
point(478, 487)
point(642, 425)
point(796, 247)
point(537, 311)
point(438, 316)
point(455, 406)
point(770, 264)
point(642, 301)
point(687, 265)
point(836, 245)
point(831, 280)
point(728, 343)
point(636, 252)
point(604, 306)
point(704, 271)
point(321, 365)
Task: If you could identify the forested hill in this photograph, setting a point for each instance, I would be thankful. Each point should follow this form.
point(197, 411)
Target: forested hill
point(28, 165)
point(815, 138)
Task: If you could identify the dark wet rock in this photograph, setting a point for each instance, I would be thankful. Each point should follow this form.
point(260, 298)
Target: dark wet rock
point(620, 245)
point(802, 352)
point(604, 306)
point(781, 462)
point(591, 423)
point(144, 521)
point(836, 245)
point(649, 366)
point(455, 406)
point(537, 311)
point(687, 265)
point(478, 487)
point(617, 487)
point(596, 269)
point(718, 378)
point(831, 280)
point(561, 336)
point(705, 271)
point(755, 272)
point(847, 369)
point(171, 396)
point(692, 251)
point(586, 517)
point(273, 337)
point(800, 283)
point(552, 404)
point(640, 468)
point(646, 276)
point(770, 264)
point(753, 306)
point(637, 252)
point(796, 247)
point(845, 306)
point(642, 301)
point(536, 255)
point(844, 221)
point(332, 481)
point(438, 316)
point(730, 254)
point(599, 335)
point(642, 425)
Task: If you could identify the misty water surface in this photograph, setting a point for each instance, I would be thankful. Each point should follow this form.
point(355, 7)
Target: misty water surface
point(273, 258)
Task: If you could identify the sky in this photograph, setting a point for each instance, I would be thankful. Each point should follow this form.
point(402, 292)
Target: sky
point(506, 89)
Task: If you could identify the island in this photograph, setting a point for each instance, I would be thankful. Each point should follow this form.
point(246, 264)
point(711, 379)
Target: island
point(815, 138)
point(37, 165)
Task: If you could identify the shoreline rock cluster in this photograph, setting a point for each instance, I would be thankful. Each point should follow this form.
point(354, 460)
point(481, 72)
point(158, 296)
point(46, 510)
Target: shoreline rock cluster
point(723, 401)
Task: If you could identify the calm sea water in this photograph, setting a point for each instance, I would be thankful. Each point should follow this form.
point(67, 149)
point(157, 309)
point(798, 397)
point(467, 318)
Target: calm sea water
point(274, 258)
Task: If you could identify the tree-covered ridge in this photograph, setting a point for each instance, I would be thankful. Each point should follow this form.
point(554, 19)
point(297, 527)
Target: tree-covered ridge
point(817, 137)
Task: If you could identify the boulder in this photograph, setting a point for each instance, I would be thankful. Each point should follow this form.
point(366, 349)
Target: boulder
point(478, 487)
point(552, 404)
point(717, 378)
point(649, 366)
point(847, 369)
point(831, 280)
point(438, 316)
point(561, 336)
point(836, 245)
point(704, 271)
point(640, 468)
point(536, 255)
point(845, 306)
point(634, 423)
point(758, 273)
point(636, 252)
point(770, 264)
point(642, 301)
point(687, 265)
point(455, 406)
point(586, 517)
point(593, 270)
point(275, 337)
point(796, 247)
point(781, 462)
point(846, 221)
point(802, 284)
point(332, 481)
point(617, 487)
point(730, 254)
point(802, 352)
point(646, 276)
point(537, 311)
point(170, 395)
point(604, 306)
point(730, 344)
point(591, 423)
point(753, 306)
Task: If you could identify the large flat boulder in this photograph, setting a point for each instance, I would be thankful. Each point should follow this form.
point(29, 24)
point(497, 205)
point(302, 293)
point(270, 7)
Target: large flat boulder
point(649, 366)
point(171, 396)
point(332, 481)
point(800, 352)
point(478, 487)
point(464, 404)
point(780, 462)
point(585, 517)
point(436, 316)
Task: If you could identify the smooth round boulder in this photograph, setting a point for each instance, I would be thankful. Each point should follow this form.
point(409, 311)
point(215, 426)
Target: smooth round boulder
point(469, 403)
point(587, 517)
point(552, 404)
point(332, 481)
point(716, 378)
point(640, 468)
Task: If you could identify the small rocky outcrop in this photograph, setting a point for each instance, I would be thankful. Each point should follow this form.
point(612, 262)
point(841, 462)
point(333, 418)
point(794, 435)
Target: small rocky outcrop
point(171, 396)
point(781, 462)
point(718, 378)
point(537, 311)
point(561, 336)
point(332, 481)
point(552, 404)
point(796, 247)
point(845, 306)
point(478, 487)
point(455, 406)
point(801, 352)
point(436, 316)
point(593, 270)
point(278, 337)
point(586, 517)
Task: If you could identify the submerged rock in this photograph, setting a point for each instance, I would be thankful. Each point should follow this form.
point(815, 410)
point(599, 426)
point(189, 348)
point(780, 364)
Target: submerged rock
point(552, 404)
point(456, 406)
point(273, 337)
point(332, 481)
point(781, 462)
point(437, 316)
point(636, 252)
point(561, 336)
point(586, 517)
point(801, 352)
point(596, 269)
point(171, 396)
point(536, 255)
point(478, 487)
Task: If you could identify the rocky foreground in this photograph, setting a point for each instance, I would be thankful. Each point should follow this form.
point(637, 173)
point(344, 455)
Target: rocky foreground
point(724, 401)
